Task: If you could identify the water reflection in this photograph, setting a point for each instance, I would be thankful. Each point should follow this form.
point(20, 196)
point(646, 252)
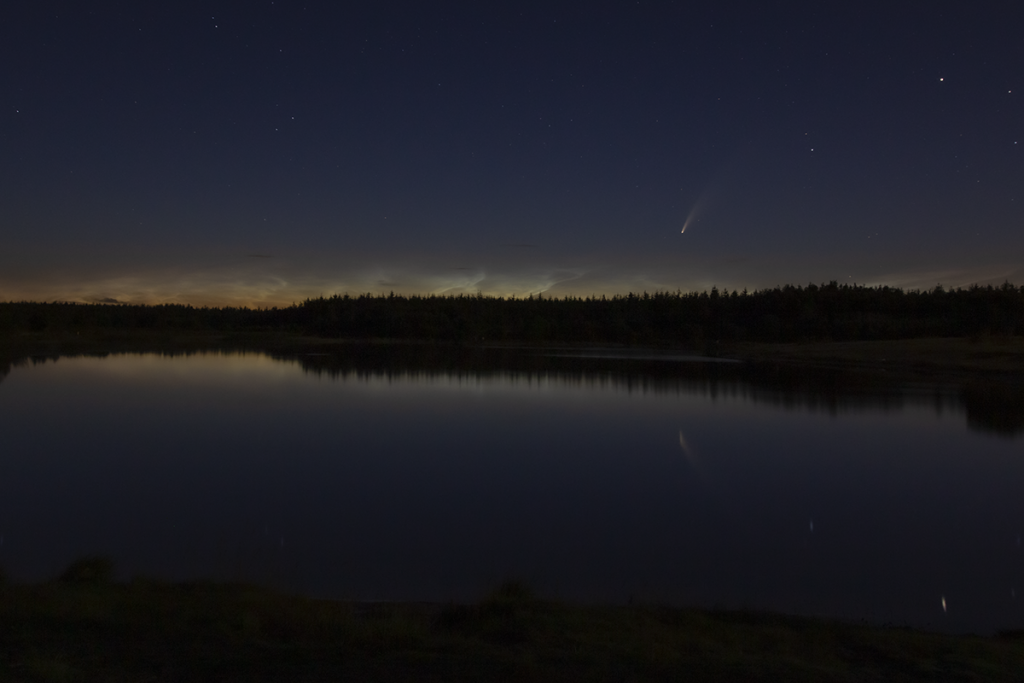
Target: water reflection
point(414, 473)
point(995, 406)
point(991, 404)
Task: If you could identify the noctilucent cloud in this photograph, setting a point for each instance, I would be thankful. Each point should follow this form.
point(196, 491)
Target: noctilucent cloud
point(258, 153)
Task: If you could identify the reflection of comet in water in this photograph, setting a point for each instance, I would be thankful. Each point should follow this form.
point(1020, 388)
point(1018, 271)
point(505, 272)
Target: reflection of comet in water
point(691, 457)
point(700, 472)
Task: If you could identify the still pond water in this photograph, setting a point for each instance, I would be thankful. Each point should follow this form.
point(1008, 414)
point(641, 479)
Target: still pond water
point(593, 479)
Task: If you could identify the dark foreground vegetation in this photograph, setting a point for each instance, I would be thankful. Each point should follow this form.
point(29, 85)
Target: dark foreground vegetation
point(83, 627)
point(704, 320)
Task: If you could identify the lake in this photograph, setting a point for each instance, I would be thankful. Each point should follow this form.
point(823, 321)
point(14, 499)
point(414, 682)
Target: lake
point(417, 473)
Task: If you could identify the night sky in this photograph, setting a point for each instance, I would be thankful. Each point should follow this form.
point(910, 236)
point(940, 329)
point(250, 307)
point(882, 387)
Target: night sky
point(261, 152)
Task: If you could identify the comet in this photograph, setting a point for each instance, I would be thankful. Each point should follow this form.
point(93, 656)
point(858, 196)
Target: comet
point(690, 218)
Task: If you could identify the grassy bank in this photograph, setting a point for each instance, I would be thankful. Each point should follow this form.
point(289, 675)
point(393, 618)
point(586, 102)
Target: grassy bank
point(86, 628)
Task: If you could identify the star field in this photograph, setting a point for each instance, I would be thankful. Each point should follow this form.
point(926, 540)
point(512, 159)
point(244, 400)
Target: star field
point(149, 152)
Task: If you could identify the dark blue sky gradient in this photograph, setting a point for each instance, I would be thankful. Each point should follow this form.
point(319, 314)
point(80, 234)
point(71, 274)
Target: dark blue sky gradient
point(263, 152)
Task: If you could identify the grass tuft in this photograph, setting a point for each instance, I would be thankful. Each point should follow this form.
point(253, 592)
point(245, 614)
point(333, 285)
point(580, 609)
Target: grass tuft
point(89, 570)
point(512, 592)
point(508, 615)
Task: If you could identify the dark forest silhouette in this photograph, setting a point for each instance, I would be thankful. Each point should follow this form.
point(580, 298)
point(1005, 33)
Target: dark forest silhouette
point(831, 312)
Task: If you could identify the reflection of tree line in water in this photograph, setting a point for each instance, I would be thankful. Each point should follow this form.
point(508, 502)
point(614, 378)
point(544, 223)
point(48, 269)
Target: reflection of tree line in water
point(784, 314)
point(10, 360)
point(991, 405)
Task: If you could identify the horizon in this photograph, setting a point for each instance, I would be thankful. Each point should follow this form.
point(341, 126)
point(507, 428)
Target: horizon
point(679, 293)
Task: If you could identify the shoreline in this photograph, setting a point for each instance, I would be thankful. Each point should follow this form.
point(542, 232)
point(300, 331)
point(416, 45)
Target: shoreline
point(78, 627)
point(991, 355)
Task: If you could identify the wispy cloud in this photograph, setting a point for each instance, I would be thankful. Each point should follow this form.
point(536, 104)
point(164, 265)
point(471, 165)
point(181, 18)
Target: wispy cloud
point(272, 278)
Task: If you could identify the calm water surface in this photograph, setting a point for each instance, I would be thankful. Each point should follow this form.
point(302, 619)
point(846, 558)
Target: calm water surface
point(376, 483)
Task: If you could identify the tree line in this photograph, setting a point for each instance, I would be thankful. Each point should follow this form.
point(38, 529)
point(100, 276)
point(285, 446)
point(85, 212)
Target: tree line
point(828, 312)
